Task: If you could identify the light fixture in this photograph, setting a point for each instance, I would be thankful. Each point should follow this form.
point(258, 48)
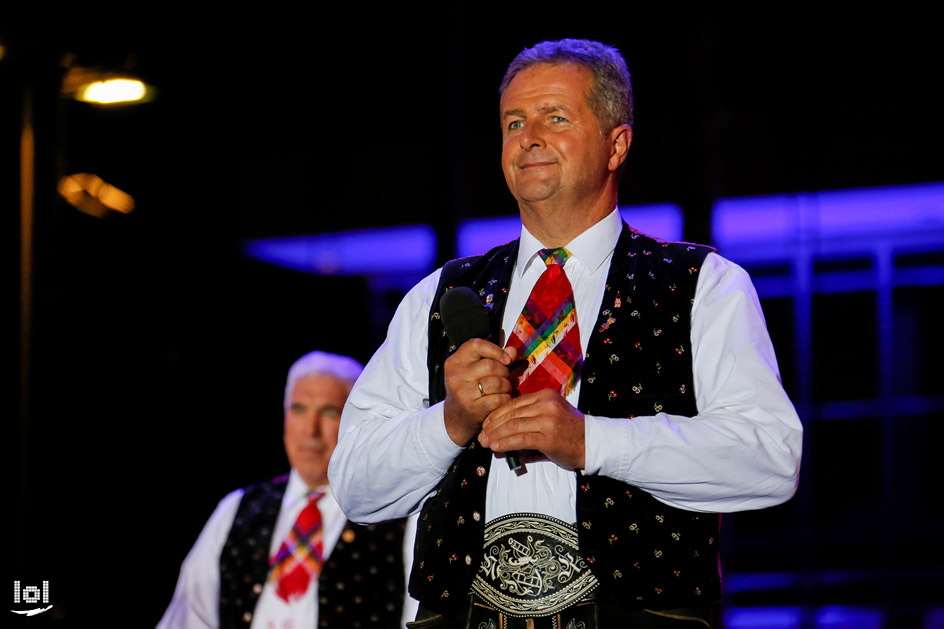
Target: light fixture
point(112, 91)
point(91, 85)
point(92, 195)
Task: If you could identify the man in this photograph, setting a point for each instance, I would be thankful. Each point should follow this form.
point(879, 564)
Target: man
point(639, 419)
point(281, 555)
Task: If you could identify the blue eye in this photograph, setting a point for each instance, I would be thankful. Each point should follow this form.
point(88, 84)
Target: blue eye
point(558, 119)
point(516, 124)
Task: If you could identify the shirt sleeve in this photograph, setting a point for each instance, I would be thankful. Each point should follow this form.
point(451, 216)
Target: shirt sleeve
point(742, 450)
point(196, 598)
point(392, 447)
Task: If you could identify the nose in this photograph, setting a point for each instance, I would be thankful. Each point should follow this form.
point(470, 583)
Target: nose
point(532, 136)
point(316, 425)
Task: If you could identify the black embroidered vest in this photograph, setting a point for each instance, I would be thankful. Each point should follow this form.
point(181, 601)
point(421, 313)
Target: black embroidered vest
point(361, 583)
point(644, 553)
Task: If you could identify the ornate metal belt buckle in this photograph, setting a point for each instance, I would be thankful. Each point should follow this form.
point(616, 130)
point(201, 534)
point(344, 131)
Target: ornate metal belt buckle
point(532, 566)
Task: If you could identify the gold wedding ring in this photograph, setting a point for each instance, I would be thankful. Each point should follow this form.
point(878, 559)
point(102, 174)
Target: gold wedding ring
point(481, 390)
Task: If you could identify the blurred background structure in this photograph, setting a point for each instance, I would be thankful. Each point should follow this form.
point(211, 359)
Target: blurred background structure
point(289, 174)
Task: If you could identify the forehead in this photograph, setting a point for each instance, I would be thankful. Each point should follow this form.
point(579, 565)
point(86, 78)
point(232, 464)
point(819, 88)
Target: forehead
point(546, 84)
point(320, 387)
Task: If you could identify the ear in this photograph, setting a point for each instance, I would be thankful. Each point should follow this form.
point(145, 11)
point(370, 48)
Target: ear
point(621, 137)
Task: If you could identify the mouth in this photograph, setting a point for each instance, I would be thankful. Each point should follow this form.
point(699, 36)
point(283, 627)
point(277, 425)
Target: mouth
point(313, 450)
point(535, 165)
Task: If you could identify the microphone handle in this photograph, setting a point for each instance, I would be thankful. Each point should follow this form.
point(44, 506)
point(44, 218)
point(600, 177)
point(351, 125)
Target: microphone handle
point(514, 462)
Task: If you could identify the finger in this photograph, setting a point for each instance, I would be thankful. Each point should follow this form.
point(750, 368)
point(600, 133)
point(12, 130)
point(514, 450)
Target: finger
point(463, 377)
point(558, 436)
point(518, 441)
point(485, 405)
point(512, 421)
point(474, 387)
point(517, 407)
point(476, 349)
point(460, 369)
point(490, 385)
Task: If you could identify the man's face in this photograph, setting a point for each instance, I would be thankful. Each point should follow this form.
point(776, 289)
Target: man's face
point(552, 148)
point(311, 425)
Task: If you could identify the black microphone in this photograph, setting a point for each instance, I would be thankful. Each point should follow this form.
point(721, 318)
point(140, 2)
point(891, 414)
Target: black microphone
point(465, 318)
point(463, 315)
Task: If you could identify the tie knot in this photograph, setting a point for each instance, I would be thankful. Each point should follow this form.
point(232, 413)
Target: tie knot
point(315, 496)
point(554, 256)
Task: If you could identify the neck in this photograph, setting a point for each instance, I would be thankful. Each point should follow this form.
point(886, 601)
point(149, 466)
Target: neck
point(556, 224)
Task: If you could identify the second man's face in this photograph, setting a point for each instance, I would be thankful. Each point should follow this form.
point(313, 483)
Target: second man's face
point(552, 149)
point(311, 425)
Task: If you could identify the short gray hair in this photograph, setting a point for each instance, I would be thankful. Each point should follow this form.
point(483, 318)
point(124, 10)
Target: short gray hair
point(315, 363)
point(611, 94)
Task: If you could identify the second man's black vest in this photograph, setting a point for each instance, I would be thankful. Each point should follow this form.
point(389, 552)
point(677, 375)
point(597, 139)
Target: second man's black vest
point(361, 583)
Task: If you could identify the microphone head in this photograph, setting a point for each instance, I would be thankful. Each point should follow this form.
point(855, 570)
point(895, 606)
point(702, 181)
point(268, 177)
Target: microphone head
point(463, 315)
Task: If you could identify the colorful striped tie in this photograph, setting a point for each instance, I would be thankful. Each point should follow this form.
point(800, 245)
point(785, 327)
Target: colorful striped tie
point(546, 332)
point(301, 555)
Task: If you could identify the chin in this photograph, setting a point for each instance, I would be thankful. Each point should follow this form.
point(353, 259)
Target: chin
point(536, 192)
point(315, 480)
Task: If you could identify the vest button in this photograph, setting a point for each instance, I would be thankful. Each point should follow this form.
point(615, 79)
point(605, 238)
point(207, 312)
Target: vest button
point(247, 617)
point(257, 588)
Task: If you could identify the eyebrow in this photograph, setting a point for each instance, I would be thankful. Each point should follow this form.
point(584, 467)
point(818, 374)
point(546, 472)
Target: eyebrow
point(547, 109)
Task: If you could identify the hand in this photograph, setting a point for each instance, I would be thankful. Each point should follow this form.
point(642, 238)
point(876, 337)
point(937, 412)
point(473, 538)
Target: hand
point(542, 421)
point(476, 384)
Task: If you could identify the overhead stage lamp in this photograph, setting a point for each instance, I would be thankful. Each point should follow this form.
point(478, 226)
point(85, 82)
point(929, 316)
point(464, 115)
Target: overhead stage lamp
point(92, 195)
point(91, 85)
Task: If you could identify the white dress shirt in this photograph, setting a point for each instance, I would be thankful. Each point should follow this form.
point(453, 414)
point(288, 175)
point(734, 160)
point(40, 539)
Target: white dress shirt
point(197, 595)
point(740, 452)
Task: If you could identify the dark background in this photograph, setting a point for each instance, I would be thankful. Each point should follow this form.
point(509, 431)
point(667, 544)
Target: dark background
point(149, 378)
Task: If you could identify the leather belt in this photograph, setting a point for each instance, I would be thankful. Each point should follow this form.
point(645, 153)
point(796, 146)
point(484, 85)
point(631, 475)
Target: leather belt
point(579, 616)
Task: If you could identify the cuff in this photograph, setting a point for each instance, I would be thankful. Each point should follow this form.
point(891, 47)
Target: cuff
point(432, 441)
point(608, 447)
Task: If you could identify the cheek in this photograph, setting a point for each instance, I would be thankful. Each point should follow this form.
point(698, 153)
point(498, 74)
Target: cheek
point(509, 146)
point(506, 164)
point(288, 437)
point(292, 431)
point(564, 145)
point(330, 430)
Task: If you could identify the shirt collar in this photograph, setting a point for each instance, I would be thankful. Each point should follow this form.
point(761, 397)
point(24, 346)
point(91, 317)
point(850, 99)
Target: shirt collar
point(297, 489)
point(591, 248)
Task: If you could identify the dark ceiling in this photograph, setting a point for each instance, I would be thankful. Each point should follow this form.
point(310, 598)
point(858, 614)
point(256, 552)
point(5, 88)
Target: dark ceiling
point(297, 121)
